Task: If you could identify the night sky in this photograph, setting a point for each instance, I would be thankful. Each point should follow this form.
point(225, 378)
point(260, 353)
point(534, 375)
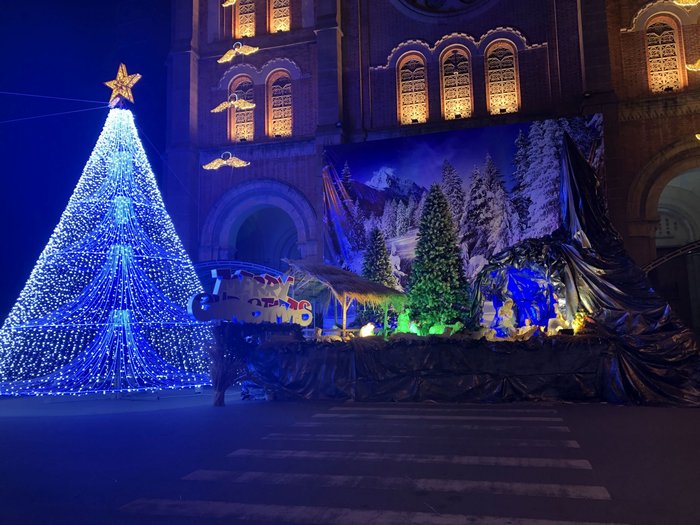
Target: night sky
point(67, 49)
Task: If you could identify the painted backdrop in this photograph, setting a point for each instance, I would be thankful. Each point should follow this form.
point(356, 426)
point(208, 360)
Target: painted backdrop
point(502, 184)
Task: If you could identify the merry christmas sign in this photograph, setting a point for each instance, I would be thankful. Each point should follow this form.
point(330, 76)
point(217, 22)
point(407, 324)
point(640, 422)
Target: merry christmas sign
point(249, 298)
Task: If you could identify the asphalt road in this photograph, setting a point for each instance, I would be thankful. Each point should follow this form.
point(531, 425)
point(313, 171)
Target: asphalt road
point(177, 460)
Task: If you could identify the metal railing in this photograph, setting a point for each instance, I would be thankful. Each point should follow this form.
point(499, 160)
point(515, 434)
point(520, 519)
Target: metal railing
point(683, 250)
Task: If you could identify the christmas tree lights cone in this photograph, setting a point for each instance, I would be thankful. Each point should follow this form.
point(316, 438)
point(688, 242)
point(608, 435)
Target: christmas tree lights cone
point(105, 307)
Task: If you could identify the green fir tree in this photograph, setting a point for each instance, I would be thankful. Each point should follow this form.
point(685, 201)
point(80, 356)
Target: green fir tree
point(438, 292)
point(376, 265)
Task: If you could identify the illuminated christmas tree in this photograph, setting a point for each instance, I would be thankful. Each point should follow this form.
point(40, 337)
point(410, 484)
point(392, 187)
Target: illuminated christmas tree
point(105, 307)
point(438, 289)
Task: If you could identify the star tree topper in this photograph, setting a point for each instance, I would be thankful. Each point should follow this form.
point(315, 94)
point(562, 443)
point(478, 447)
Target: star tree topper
point(121, 86)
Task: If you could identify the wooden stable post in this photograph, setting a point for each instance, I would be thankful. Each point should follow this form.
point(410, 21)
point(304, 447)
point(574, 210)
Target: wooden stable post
point(347, 301)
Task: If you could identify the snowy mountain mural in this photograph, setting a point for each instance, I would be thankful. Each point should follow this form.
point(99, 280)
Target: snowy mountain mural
point(501, 183)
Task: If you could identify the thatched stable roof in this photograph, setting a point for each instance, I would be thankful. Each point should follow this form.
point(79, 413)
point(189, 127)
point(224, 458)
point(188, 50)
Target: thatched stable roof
point(346, 284)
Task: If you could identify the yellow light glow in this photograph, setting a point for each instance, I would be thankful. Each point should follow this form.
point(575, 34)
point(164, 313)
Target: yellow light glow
point(233, 102)
point(121, 86)
point(226, 159)
point(693, 67)
point(579, 322)
point(686, 3)
point(367, 330)
point(228, 3)
point(697, 136)
point(237, 49)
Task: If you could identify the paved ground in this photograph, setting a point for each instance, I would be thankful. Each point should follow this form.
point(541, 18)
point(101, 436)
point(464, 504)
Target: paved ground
point(176, 460)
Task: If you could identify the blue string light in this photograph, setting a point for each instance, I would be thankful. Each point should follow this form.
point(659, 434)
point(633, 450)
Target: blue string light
point(105, 307)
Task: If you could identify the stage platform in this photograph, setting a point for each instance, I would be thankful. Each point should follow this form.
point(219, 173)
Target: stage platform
point(444, 369)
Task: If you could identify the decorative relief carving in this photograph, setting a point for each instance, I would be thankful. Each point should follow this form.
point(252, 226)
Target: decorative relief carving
point(663, 60)
point(456, 84)
point(413, 91)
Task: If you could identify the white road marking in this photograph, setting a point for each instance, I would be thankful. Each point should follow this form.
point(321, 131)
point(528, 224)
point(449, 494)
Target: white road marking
point(333, 438)
point(491, 461)
point(380, 438)
point(456, 410)
point(434, 417)
point(551, 490)
point(436, 426)
point(326, 515)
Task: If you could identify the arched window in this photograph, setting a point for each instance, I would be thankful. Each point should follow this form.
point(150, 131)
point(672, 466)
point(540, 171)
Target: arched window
point(412, 89)
point(279, 110)
point(502, 86)
point(664, 59)
point(456, 78)
point(280, 15)
point(241, 125)
point(244, 19)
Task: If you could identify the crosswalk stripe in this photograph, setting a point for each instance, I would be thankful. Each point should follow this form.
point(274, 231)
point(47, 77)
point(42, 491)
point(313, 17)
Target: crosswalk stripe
point(491, 461)
point(379, 438)
point(454, 410)
point(436, 426)
point(552, 490)
point(339, 438)
point(435, 417)
point(326, 515)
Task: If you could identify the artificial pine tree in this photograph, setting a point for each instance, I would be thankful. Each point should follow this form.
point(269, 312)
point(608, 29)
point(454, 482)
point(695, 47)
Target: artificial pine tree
point(438, 290)
point(454, 192)
point(105, 307)
point(376, 265)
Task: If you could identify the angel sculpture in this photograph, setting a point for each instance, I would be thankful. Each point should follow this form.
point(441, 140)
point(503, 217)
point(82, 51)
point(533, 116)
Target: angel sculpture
point(237, 49)
point(233, 102)
point(226, 159)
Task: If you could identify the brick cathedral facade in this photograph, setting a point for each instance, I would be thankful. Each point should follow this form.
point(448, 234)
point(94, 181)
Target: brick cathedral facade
point(336, 71)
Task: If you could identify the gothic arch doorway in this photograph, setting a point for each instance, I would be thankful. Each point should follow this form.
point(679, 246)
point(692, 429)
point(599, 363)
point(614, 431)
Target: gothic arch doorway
point(678, 280)
point(645, 193)
point(262, 222)
point(265, 236)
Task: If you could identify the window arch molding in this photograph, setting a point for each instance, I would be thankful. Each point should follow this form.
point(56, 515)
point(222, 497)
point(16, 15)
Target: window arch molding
point(241, 123)
point(279, 117)
point(412, 88)
point(501, 67)
point(456, 82)
point(664, 53)
point(640, 21)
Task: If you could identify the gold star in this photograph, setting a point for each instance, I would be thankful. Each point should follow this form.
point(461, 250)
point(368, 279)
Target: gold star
point(121, 86)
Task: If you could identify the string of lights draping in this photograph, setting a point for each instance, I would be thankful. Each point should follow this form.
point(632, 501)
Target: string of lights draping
point(104, 308)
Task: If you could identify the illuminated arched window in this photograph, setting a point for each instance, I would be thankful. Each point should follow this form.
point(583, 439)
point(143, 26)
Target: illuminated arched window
point(664, 59)
point(280, 15)
point(412, 90)
point(279, 110)
point(241, 124)
point(244, 18)
point(502, 86)
point(456, 77)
